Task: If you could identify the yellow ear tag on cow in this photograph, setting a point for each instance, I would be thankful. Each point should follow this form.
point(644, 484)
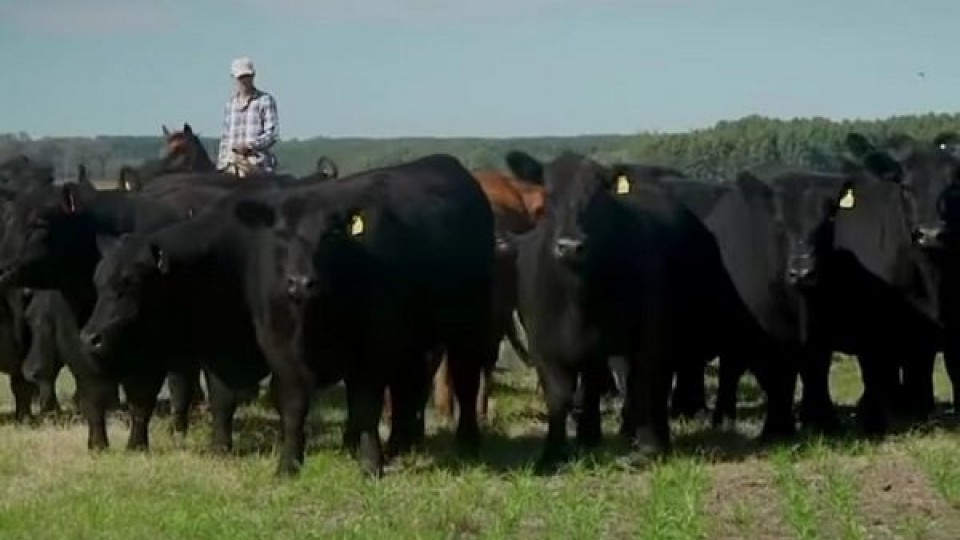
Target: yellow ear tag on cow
point(356, 226)
point(623, 185)
point(847, 201)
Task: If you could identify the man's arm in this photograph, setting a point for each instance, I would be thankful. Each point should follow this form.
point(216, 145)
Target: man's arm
point(223, 155)
point(268, 112)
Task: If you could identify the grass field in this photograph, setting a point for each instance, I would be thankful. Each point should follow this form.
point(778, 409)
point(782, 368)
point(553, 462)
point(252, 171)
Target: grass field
point(717, 486)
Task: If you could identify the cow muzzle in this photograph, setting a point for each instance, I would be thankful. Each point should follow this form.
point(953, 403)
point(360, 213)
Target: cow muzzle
point(801, 270)
point(93, 342)
point(929, 237)
point(300, 287)
point(568, 249)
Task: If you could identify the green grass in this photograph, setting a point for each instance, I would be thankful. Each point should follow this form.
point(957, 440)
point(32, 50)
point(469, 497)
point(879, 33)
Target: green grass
point(716, 485)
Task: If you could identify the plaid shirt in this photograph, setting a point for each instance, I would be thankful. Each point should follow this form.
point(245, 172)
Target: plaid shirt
point(252, 122)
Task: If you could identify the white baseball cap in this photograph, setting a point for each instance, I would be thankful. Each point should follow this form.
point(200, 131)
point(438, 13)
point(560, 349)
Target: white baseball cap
point(241, 66)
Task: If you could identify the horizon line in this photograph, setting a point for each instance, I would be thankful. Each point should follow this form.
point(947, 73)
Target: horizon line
point(649, 132)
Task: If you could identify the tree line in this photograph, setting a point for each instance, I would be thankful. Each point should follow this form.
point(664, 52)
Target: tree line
point(715, 153)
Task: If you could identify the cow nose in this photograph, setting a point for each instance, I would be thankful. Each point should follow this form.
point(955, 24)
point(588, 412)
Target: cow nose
point(299, 286)
point(502, 245)
point(927, 236)
point(93, 341)
point(567, 247)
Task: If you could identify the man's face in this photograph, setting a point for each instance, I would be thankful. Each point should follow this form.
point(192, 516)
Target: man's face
point(245, 83)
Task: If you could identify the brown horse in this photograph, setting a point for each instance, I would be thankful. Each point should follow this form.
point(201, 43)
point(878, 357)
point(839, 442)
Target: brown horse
point(184, 152)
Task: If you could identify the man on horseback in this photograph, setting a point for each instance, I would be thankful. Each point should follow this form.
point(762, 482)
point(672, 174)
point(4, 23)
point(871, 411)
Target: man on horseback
point(250, 126)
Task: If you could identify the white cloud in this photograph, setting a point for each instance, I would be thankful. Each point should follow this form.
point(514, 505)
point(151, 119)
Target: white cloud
point(90, 17)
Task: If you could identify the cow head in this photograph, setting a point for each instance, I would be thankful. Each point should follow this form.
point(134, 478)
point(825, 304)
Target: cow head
point(315, 236)
point(928, 173)
point(804, 207)
point(582, 202)
point(125, 277)
point(21, 172)
point(43, 229)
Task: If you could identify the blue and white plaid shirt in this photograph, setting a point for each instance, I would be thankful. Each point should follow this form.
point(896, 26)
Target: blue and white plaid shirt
point(253, 122)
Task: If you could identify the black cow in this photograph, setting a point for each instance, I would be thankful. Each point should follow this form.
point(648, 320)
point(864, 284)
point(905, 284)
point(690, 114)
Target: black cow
point(842, 274)
point(51, 242)
point(355, 279)
point(617, 267)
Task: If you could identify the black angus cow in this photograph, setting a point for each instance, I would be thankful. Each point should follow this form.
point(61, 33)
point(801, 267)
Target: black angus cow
point(937, 209)
point(766, 229)
point(17, 329)
point(839, 254)
point(355, 279)
point(926, 173)
point(50, 241)
point(617, 267)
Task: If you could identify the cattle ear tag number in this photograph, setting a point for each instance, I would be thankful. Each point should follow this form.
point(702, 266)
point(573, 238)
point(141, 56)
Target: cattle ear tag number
point(623, 185)
point(847, 201)
point(356, 225)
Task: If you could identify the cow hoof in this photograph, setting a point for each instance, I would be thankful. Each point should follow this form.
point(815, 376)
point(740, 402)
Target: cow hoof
point(645, 443)
point(140, 447)
point(221, 449)
point(727, 425)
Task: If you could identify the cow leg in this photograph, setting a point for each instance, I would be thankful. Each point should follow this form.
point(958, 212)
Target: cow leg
point(559, 384)
point(47, 397)
point(878, 387)
point(817, 409)
point(142, 400)
point(589, 429)
point(466, 363)
point(410, 392)
point(649, 385)
point(23, 392)
point(918, 385)
point(182, 385)
point(95, 395)
point(442, 395)
point(777, 375)
point(731, 368)
point(689, 394)
point(295, 394)
point(365, 403)
point(223, 406)
point(951, 361)
point(483, 395)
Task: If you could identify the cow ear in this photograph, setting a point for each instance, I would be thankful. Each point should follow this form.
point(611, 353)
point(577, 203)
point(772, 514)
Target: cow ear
point(858, 144)
point(166, 132)
point(884, 166)
point(327, 169)
point(187, 129)
point(255, 214)
point(525, 167)
point(160, 258)
point(753, 187)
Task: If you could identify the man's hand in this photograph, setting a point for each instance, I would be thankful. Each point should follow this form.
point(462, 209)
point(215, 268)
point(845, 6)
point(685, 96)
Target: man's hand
point(243, 149)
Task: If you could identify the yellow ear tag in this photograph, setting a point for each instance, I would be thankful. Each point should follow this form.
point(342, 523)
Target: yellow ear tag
point(623, 185)
point(356, 226)
point(847, 201)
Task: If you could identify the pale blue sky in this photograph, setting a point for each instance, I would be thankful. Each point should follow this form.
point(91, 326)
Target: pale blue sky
point(472, 67)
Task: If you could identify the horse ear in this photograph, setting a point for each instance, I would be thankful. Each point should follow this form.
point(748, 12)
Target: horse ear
point(187, 130)
point(166, 132)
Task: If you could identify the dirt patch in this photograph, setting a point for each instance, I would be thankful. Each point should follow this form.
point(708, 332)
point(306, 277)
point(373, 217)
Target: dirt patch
point(896, 500)
point(744, 503)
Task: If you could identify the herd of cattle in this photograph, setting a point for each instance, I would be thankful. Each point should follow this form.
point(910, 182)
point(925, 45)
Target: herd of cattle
point(625, 278)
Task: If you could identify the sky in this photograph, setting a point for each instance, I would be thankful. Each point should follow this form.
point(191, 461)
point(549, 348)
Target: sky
point(488, 68)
